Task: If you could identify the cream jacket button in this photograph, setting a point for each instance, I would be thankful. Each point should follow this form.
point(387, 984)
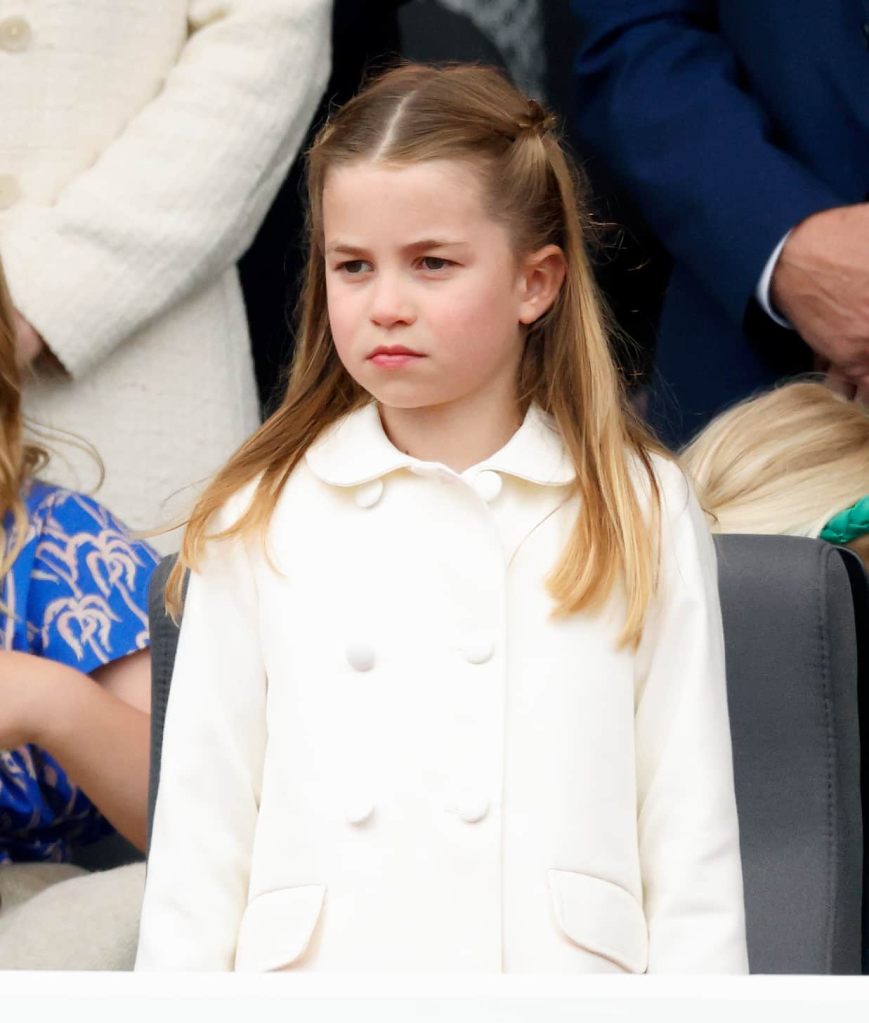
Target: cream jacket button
point(360, 656)
point(15, 34)
point(472, 807)
point(369, 494)
point(10, 193)
point(359, 810)
point(488, 484)
point(478, 648)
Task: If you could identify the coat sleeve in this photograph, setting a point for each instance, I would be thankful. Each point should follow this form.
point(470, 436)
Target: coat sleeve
point(659, 97)
point(686, 806)
point(214, 742)
point(179, 194)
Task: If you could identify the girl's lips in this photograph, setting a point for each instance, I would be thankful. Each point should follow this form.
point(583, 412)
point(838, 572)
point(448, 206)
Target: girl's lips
point(393, 360)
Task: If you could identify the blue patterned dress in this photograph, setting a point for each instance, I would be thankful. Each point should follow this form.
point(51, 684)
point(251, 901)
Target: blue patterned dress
point(77, 593)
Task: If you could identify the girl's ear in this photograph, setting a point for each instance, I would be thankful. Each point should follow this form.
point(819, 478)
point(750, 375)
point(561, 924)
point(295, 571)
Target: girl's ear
point(541, 276)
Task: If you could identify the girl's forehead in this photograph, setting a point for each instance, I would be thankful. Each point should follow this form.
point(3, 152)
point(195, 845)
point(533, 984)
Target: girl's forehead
point(373, 193)
point(416, 173)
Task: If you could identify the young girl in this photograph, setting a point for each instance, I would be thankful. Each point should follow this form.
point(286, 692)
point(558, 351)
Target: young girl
point(794, 461)
point(74, 687)
point(449, 693)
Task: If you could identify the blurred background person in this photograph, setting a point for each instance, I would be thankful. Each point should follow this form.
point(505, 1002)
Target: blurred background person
point(75, 688)
point(140, 146)
point(793, 461)
point(742, 133)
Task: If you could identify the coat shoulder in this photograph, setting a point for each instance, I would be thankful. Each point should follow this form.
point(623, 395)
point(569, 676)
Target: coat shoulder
point(673, 486)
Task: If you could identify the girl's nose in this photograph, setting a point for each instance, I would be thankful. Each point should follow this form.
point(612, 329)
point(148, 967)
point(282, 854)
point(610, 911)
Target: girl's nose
point(390, 305)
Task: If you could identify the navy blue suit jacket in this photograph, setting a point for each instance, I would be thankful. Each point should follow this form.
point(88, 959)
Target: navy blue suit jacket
point(729, 122)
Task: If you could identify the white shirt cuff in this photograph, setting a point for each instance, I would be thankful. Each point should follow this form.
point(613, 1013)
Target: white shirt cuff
point(761, 292)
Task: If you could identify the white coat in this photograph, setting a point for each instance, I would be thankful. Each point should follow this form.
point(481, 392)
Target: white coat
point(390, 757)
point(141, 143)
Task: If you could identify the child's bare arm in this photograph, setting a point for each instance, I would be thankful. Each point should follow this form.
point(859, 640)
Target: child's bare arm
point(97, 728)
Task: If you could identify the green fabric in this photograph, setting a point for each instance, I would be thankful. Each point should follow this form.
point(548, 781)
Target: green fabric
point(848, 524)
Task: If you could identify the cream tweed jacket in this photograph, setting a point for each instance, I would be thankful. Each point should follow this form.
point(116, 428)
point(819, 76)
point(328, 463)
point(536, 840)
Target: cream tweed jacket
point(141, 144)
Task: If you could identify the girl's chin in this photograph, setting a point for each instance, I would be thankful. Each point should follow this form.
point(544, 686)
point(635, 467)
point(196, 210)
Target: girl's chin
point(403, 397)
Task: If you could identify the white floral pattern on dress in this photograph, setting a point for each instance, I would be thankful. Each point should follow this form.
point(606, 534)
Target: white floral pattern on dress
point(77, 593)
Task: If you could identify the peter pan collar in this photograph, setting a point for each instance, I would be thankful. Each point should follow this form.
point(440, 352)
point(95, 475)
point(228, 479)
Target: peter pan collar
point(356, 450)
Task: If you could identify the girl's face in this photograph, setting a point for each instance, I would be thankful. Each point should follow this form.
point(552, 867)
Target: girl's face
point(427, 299)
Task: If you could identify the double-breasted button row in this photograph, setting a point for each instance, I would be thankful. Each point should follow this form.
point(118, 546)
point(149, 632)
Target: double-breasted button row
point(471, 807)
point(15, 34)
point(476, 649)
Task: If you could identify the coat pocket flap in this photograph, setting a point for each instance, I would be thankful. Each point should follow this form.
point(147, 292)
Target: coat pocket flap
point(276, 928)
point(601, 917)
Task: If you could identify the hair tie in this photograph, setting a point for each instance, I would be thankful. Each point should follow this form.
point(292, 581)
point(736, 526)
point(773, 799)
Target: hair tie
point(848, 524)
point(538, 119)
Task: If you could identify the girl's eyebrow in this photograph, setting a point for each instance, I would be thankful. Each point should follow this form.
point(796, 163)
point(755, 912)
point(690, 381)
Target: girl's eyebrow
point(431, 243)
point(350, 250)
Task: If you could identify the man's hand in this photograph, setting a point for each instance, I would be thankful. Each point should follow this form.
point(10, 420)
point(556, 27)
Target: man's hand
point(821, 285)
point(28, 343)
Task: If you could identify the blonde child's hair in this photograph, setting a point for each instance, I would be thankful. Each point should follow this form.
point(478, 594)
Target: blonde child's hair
point(783, 462)
point(20, 460)
point(416, 113)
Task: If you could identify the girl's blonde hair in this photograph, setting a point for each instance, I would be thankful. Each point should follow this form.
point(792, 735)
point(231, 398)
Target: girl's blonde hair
point(416, 113)
point(19, 460)
point(783, 462)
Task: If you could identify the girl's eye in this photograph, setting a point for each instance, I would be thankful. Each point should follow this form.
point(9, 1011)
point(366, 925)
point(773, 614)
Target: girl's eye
point(434, 263)
point(354, 267)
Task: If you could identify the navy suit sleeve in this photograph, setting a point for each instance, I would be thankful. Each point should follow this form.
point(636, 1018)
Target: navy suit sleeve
point(659, 99)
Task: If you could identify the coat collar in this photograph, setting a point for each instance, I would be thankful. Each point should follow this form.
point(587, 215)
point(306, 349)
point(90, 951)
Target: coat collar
point(355, 450)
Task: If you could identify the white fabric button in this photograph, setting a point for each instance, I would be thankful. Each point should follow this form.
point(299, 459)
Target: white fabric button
point(15, 34)
point(478, 648)
point(488, 484)
point(10, 193)
point(359, 810)
point(472, 807)
point(360, 656)
point(369, 494)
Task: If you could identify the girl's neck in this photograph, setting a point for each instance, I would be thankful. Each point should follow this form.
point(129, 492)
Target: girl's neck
point(457, 435)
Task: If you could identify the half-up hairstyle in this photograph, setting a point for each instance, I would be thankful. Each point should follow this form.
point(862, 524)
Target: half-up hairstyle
point(473, 114)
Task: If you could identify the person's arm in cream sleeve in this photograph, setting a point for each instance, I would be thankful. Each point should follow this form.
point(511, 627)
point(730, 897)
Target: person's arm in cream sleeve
point(214, 742)
point(688, 831)
point(176, 198)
